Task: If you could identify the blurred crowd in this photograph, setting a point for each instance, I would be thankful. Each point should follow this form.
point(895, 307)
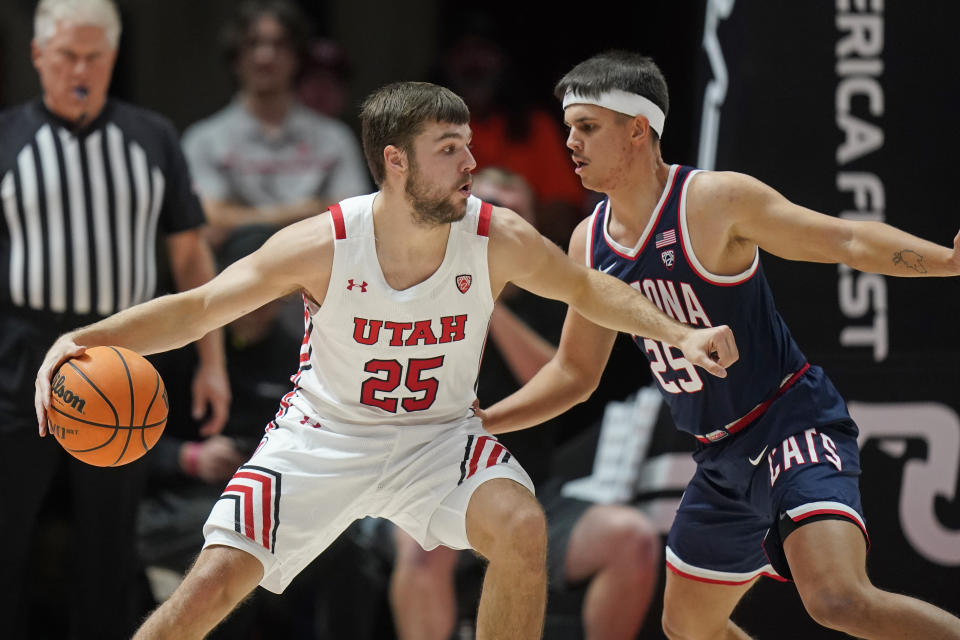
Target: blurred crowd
point(279, 151)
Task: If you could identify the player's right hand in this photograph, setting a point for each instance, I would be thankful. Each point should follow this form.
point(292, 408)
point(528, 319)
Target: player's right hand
point(712, 348)
point(61, 351)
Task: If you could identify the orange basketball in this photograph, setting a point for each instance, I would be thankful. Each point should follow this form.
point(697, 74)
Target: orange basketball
point(108, 407)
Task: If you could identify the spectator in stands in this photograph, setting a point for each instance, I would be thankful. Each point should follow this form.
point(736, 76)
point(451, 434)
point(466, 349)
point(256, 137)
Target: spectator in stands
point(266, 158)
point(509, 129)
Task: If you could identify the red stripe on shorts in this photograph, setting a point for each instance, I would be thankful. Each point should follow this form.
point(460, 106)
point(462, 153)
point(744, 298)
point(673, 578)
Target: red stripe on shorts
point(247, 493)
point(266, 492)
point(477, 451)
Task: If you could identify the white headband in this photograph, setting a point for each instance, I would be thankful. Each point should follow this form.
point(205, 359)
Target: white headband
point(631, 104)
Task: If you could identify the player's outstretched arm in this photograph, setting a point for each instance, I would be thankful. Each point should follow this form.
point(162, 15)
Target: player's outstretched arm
point(521, 255)
point(590, 327)
point(172, 321)
point(760, 215)
point(567, 379)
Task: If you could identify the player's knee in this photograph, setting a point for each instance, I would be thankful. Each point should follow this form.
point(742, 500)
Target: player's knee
point(525, 532)
point(635, 544)
point(219, 580)
point(682, 627)
point(837, 606)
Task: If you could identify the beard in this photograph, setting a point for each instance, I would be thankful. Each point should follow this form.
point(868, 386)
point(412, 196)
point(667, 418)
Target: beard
point(428, 207)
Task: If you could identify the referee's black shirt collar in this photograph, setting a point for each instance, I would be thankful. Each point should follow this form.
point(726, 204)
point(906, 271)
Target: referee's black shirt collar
point(90, 125)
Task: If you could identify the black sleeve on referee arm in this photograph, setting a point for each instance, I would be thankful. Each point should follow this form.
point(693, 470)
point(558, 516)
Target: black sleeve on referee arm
point(181, 209)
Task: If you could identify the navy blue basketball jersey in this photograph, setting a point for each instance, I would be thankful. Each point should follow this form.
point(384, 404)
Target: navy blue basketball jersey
point(663, 266)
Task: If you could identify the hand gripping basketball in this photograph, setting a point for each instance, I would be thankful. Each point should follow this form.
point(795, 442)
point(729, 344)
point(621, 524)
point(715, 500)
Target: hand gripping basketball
point(106, 406)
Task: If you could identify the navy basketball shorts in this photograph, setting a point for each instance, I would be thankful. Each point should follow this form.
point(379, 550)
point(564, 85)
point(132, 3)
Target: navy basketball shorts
point(752, 490)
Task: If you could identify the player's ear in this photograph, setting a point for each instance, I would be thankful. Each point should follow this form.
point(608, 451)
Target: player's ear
point(639, 128)
point(395, 160)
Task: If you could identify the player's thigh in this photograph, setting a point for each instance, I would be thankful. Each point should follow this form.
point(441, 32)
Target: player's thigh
point(603, 535)
point(828, 560)
point(502, 509)
point(692, 608)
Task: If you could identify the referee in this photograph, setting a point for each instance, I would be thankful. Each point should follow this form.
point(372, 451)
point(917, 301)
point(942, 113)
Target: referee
point(87, 184)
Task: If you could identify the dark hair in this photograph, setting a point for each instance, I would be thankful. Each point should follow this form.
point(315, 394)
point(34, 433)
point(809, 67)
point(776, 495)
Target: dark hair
point(622, 70)
point(396, 113)
point(287, 13)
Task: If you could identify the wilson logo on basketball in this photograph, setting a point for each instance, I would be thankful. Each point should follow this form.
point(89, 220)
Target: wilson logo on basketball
point(66, 395)
point(60, 432)
point(463, 282)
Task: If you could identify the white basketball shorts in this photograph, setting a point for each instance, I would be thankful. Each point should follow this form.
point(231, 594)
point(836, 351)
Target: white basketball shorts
point(310, 478)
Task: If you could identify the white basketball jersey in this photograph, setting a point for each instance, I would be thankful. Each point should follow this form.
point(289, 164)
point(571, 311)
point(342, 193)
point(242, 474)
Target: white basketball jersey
point(374, 355)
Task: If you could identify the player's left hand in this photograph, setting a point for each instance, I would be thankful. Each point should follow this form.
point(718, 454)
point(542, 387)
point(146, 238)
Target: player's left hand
point(713, 349)
point(61, 351)
point(477, 411)
point(211, 388)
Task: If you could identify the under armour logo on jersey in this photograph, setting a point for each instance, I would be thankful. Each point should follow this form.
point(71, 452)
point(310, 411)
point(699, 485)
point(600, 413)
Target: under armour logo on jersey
point(310, 421)
point(667, 257)
point(463, 282)
point(351, 284)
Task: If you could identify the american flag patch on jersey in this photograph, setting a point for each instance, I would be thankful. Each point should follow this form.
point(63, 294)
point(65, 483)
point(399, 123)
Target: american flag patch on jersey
point(665, 239)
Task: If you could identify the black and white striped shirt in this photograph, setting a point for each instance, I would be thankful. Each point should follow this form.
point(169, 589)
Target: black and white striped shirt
point(81, 209)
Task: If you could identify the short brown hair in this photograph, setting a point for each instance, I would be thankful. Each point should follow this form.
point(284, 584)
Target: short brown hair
point(396, 113)
point(624, 70)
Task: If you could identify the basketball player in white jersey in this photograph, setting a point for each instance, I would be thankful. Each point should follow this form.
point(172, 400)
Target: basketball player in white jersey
point(398, 288)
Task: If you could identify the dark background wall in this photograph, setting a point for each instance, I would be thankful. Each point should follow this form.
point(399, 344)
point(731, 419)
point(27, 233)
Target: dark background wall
point(169, 58)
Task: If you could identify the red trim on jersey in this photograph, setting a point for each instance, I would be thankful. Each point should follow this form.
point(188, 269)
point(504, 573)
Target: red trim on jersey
point(591, 229)
point(836, 512)
point(690, 576)
point(656, 220)
point(336, 214)
point(749, 273)
point(754, 267)
point(483, 224)
point(760, 409)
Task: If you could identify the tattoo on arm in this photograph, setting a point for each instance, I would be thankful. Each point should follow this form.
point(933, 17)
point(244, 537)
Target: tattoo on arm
point(910, 259)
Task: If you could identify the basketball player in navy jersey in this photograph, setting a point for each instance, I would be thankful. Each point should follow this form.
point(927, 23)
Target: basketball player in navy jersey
point(775, 492)
point(398, 287)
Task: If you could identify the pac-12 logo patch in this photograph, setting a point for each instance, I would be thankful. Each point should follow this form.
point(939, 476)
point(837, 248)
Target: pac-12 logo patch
point(463, 282)
point(667, 257)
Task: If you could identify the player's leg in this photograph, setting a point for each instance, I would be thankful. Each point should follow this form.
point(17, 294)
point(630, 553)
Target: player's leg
point(693, 609)
point(218, 581)
point(618, 551)
point(505, 524)
point(828, 561)
point(300, 490)
point(714, 551)
point(422, 590)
